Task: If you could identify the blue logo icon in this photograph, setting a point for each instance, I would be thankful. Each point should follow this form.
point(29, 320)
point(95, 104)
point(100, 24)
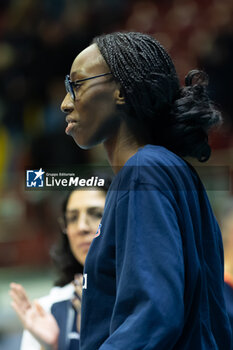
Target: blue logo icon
point(98, 231)
point(35, 178)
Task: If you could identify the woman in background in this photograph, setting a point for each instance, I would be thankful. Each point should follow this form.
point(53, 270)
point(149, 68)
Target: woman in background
point(54, 320)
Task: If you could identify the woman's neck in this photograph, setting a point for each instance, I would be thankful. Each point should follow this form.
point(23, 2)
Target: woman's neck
point(120, 147)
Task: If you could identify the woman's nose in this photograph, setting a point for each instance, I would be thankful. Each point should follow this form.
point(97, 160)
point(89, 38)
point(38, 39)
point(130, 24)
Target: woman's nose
point(83, 224)
point(67, 104)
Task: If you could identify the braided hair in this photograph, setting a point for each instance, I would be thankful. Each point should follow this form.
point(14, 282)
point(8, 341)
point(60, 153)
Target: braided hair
point(176, 117)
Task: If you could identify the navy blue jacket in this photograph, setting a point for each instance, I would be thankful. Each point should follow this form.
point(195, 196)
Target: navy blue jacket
point(154, 272)
point(66, 317)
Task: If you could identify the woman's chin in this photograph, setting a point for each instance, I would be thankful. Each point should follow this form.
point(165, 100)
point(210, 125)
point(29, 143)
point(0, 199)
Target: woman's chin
point(82, 144)
point(85, 143)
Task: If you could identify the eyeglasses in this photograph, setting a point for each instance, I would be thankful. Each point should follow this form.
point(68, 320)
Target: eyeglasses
point(70, 220)
point(70, 85)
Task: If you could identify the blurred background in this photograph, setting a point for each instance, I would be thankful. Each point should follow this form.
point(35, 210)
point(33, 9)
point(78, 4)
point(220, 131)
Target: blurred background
point(38, 41)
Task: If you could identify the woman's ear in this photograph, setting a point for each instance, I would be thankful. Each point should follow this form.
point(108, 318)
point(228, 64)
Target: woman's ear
point(119, 97)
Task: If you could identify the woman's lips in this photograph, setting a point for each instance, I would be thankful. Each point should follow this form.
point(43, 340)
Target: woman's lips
point(69, 127)
point(71, 124)
point(84, 246)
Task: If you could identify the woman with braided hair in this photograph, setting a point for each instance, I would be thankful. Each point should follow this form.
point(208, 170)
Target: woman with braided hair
point(154, 272)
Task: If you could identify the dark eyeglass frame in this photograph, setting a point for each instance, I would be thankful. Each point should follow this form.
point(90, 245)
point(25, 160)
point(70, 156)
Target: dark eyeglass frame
point(69, 85)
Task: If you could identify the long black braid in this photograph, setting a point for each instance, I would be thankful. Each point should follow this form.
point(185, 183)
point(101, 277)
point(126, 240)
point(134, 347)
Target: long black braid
point(178, 117)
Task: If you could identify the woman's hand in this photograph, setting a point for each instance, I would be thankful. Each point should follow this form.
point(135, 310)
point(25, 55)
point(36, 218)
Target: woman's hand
point(34, 318)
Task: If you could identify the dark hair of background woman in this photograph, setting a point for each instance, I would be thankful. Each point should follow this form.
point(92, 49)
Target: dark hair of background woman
point(175, 117)
point(64, 261)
